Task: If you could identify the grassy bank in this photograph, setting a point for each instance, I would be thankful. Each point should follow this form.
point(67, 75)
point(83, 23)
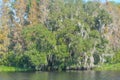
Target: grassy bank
point(12, 69)
point(109, 67)
point(100, 68)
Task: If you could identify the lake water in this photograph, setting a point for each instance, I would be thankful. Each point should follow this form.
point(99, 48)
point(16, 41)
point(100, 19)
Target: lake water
point(71, 75)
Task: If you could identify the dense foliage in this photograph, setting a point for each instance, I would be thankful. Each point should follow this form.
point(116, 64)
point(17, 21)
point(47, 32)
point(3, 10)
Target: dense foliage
point(56, 34)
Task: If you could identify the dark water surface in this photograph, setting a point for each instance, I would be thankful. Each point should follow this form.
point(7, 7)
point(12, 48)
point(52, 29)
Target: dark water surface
point(72, 75)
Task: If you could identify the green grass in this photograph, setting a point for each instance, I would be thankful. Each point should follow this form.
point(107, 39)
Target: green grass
point(109, 67)
point(100, 68)
point(11, 69)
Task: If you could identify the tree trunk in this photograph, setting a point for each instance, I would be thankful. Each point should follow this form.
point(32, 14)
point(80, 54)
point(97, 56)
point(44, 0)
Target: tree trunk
point(91, 57)
point(85, 61)
point(91, 61)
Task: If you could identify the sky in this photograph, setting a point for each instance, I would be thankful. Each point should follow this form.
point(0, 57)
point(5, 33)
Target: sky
point(88, 0)
point(0, 1)
point(116, 0)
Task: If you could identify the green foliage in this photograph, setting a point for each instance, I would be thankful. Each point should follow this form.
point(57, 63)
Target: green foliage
point(94, 34)
point(109, 67)
point(36, 58)
point(39, 37)
point(68, 38)
point(11, 59)
point(12, 69)
point(103, 18)
point(116, 57)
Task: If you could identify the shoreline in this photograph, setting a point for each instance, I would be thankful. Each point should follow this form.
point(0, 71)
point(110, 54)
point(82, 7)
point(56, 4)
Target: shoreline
point(108, 67)
point(13, 69)
point(105, 67)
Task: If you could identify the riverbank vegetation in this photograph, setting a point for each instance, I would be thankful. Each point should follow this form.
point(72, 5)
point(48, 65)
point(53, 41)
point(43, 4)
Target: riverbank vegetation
point(12, 69)
point(59, 35)
point(109, 67)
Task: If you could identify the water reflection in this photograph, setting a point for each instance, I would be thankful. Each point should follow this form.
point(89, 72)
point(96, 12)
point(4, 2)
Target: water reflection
point(69, 75)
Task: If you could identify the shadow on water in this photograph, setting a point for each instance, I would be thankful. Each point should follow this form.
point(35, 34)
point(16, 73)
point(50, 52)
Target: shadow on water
point(68, 75)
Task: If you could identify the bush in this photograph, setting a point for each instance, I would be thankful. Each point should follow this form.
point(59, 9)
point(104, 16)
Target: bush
point(10, 59)
point(116, 58)
point(33, 59)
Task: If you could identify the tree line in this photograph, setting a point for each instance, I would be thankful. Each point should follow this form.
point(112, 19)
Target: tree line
point(57, 34)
